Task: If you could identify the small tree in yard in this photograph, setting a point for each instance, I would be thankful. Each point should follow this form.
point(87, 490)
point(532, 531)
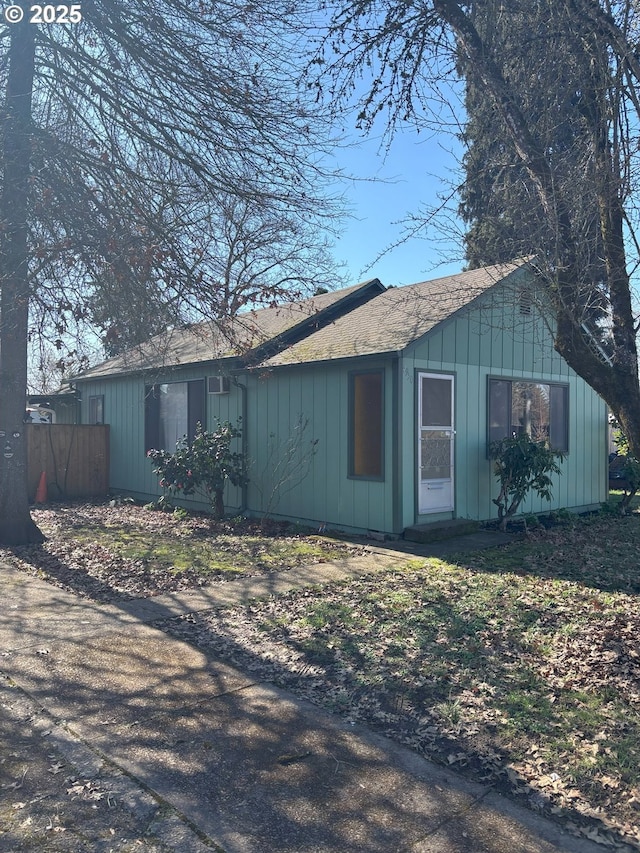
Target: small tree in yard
point(521, 465)
point(204, 465)
point(288, 463)
point(630, 468)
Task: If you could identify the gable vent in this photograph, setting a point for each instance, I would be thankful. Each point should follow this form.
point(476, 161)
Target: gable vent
point(218, 385)
point(525, 302)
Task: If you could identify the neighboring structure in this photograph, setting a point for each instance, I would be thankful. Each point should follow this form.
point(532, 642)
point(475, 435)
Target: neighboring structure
point(39, 415)
point(61, 407)
point(400, 388)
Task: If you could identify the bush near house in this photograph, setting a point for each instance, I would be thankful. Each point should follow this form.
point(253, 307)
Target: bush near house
point(204, 465)
point(521, 465)
point(624, 468)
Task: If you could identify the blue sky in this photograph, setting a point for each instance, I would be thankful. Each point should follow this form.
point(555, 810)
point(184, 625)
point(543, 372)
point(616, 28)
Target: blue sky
point(416, 173)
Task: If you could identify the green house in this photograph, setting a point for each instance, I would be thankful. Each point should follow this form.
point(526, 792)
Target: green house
point(365, 409)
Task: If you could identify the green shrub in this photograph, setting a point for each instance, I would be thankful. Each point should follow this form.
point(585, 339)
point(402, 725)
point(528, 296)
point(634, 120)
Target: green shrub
point(203, 466)
point(521, 465)
point(630, 469)
point(563, 516)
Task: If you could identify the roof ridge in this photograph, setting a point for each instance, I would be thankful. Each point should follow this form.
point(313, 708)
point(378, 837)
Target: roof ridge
point(503, 265)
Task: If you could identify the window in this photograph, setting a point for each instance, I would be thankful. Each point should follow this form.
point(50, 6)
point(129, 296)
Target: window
point(366, 416)
point(536, 409)
point(96, 409)
point(218, 385)
point(172, 411)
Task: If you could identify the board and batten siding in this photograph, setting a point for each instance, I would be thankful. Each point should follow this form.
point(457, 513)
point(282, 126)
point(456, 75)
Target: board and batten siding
point(492, 339)
point(317, 394)
point(124, 409)
point(272, 405)
point(496, 340)
point(67, 411)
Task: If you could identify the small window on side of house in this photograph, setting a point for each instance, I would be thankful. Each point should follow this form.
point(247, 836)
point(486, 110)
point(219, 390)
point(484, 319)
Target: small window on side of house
point(218, 385)
point(366, 425)
point(96, 409)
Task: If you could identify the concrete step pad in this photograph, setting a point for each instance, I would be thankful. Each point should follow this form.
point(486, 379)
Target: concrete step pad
point(438, 530)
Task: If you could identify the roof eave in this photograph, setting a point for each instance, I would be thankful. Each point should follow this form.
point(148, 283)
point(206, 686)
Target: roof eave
point(166, 368)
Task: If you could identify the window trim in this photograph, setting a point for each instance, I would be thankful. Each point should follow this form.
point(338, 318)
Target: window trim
point(98, 400)
point(352, 376)
point(530, 381)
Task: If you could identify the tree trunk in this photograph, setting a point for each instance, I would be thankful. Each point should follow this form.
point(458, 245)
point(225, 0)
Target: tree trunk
point(218, 504)
point(16, 524)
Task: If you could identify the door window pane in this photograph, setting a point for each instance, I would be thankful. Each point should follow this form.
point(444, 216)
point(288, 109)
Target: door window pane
point(436, 402)
point(435, 454)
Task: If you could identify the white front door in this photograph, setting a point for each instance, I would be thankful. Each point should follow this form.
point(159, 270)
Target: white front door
point(435, 442)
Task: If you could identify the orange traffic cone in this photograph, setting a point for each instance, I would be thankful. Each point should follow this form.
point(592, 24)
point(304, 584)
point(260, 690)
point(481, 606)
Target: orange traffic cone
point(41, 491)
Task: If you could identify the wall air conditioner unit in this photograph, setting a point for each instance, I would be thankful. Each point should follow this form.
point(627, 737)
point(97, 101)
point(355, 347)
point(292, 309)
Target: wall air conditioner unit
point(218, 385)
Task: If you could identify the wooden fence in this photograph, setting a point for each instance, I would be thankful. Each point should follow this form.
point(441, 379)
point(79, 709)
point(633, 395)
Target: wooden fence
point(75, 458)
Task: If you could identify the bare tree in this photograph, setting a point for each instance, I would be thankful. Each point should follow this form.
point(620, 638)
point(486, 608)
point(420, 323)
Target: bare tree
point(410, 51)
point(251, 256)
point(119, 133)
point(288, 464)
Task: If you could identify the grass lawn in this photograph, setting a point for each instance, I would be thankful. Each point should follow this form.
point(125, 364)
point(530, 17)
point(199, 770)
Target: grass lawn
point(227, 552)
point(518, 666)
point(128, 551)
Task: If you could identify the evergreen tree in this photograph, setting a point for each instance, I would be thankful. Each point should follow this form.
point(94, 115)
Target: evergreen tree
point(562, 86)
point(505, 218)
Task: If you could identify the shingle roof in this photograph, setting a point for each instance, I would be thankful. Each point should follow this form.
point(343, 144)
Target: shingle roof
point(388, 322)
point(212, 340)
point(395, 318)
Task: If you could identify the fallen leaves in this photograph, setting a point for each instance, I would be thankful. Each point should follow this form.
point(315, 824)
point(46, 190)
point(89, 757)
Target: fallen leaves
point(605, 653)
point(88, 790)
point(117, 553)
point(62, 810)
point(520, 667)
point(515, 680)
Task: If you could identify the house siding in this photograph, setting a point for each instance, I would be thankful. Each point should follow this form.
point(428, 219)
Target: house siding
point(124, 409)
point(495, 340)
point(318, 394)
point(277, 400)
point(489, 339)
point(66, 412)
